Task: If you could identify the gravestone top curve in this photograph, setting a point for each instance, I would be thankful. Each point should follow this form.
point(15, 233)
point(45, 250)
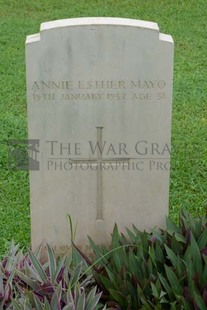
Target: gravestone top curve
point(93, 21)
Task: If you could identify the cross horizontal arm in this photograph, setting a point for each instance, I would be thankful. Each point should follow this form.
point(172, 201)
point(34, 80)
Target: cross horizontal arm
point(97, 160)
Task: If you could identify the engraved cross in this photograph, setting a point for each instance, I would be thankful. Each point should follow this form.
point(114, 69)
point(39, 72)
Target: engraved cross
point(98, 161)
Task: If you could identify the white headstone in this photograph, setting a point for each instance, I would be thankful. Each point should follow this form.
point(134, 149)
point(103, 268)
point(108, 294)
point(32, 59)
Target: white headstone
point(99, 102)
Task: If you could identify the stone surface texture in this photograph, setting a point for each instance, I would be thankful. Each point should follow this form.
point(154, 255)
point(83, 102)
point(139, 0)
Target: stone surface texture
point(103, 82)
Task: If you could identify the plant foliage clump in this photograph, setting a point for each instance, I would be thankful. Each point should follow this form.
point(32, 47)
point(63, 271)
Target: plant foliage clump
point(163, 269)
point(28, 283)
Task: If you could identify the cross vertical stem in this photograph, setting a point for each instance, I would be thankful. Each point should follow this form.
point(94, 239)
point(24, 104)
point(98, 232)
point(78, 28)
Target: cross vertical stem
point(99, 215)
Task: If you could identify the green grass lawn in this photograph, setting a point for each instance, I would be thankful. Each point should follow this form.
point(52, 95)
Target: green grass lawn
point(184, 20)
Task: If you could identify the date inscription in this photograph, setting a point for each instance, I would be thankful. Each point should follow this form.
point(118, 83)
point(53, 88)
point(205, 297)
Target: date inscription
point(115, 90)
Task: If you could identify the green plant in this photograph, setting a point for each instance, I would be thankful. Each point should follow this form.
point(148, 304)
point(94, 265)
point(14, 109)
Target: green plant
point(164, 269)
point(159, 270)
point(56, 284)
point(61, 299)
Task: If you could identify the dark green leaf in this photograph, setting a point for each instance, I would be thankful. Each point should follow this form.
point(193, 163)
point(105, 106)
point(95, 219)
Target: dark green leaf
point(37, 266)
point(174, 282)
point(202, 241)
point(52, 262)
